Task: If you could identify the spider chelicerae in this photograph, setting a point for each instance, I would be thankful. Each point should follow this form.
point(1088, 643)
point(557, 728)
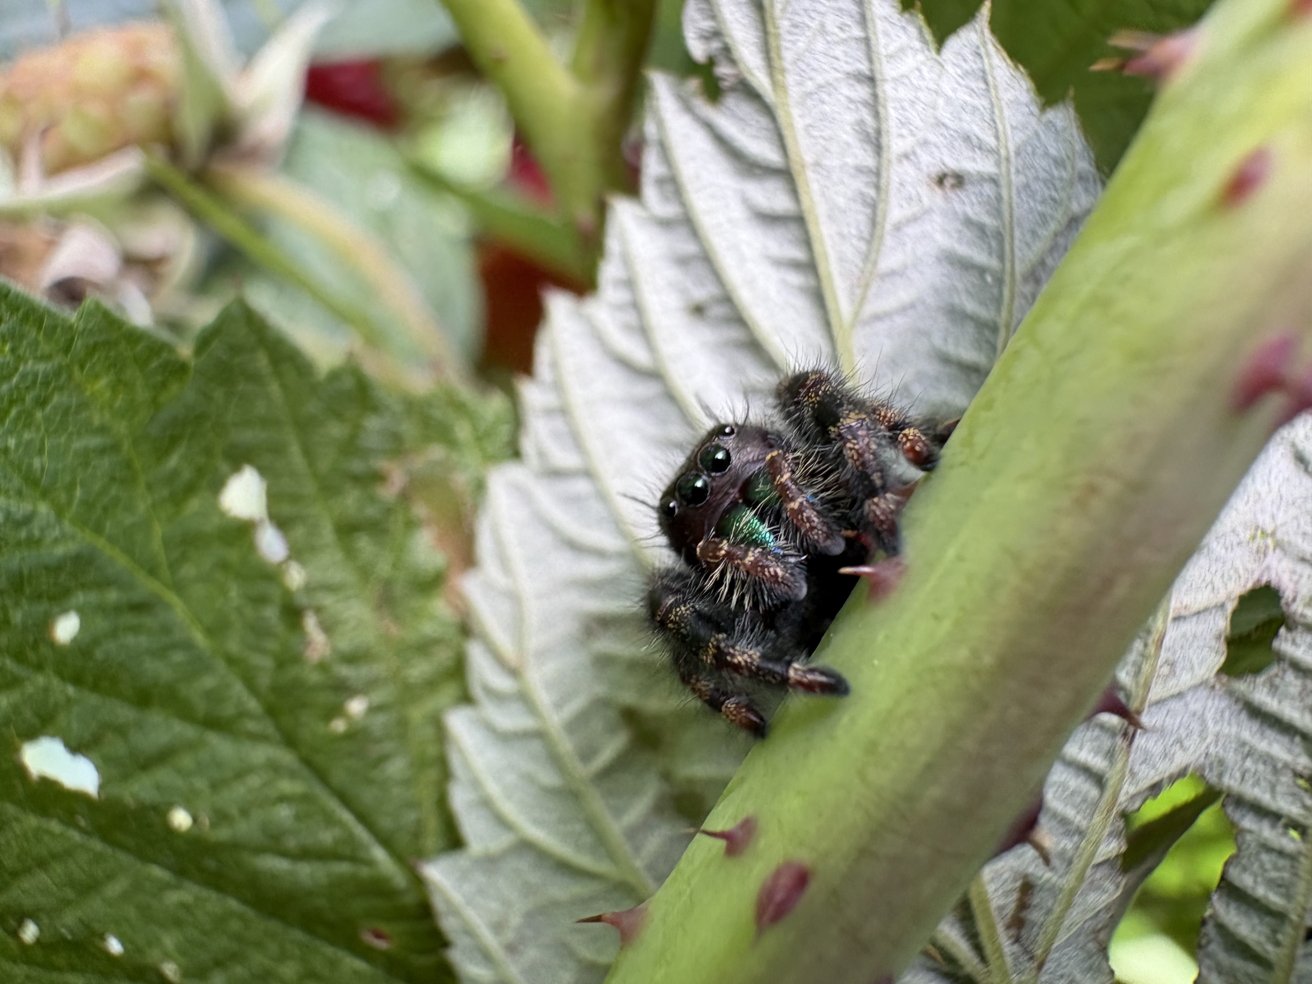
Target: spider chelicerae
point(773, 524)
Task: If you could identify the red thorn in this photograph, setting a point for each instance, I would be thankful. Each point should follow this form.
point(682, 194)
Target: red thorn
point(1158, 56)
point(737, 838)
point(629, 922)
point(883, 576)
point(1111, 703)
point(1266, 371)
point(1300, 397)
point(1270, 371)
point(782, 889)
point(1250, 175)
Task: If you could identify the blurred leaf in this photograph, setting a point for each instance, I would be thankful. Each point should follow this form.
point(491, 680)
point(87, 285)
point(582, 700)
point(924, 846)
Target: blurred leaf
point(359, 174)
point(259, 697)
point(380, 27)
point(851, 197)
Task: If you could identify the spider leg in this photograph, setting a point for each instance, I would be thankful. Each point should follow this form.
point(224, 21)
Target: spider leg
point(916, 446)
point(815, 528)
point(735, 708)
point(880, 514)
point(820, 406)
point(750, 661)
point(680, 610)
point(778, 575)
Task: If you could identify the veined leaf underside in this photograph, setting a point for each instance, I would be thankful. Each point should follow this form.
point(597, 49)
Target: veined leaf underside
point(853, 197)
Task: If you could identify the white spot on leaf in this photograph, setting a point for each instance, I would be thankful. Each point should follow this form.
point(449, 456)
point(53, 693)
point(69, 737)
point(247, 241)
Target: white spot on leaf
point(64, 628)
point(179, 819)
point(113, 945)
point(170, 971)
point(356, 706)
point(270, 543)
point(28, 932)
point(338, 725)
point(245, 496)
point(49, 758)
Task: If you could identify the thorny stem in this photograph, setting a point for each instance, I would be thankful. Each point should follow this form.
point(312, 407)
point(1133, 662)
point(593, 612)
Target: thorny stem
point(1092, 462)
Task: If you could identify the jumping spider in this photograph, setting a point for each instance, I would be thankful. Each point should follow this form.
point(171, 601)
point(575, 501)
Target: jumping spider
point(768, 522)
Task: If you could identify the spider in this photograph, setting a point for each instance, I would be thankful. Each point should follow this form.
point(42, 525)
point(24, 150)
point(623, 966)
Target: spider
point(773, 523)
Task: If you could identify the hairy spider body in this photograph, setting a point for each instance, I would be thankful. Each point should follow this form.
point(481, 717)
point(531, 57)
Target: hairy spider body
point(765, 519)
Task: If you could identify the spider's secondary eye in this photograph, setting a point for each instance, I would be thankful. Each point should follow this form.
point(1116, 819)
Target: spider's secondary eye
point(714, 459)
point(693, 489)
point(726, 430)
point(670, 508)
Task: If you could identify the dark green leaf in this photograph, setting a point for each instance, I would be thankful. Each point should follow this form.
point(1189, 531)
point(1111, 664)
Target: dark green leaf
point(264, 730)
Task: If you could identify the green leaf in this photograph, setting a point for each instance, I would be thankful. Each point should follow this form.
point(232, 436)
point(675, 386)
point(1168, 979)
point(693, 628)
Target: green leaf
point(825, 207)
point(1056, 43)
point(263, 729)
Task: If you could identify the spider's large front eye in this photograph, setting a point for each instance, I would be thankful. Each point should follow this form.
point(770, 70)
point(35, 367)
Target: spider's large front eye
point(714, 459)
point(670, 508)
point(693, 489)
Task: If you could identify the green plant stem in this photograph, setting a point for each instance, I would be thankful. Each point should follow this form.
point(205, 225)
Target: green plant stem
point(355, 247)
point(573, 119)
point(1092, 462)
point(517, 222)
point(608, 55)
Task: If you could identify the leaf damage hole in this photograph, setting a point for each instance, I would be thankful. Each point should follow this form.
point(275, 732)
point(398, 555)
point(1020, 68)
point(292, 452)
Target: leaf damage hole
point(1257, 619)
point(245, 496)
point(1178, 843)
point(28, 932)
point(179, 819)
point(49, 758)
point(65, 627)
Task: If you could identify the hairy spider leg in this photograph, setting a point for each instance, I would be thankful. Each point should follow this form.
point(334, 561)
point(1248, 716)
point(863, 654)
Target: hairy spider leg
point(815, 528)
point(743, 551)
point(816, 402)
point(749, 661)
point(820, 407)
point(708, 641)
point(689, 622)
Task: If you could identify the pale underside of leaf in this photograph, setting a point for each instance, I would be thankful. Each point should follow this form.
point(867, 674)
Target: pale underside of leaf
point(1250, 737)
point(851, 199)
